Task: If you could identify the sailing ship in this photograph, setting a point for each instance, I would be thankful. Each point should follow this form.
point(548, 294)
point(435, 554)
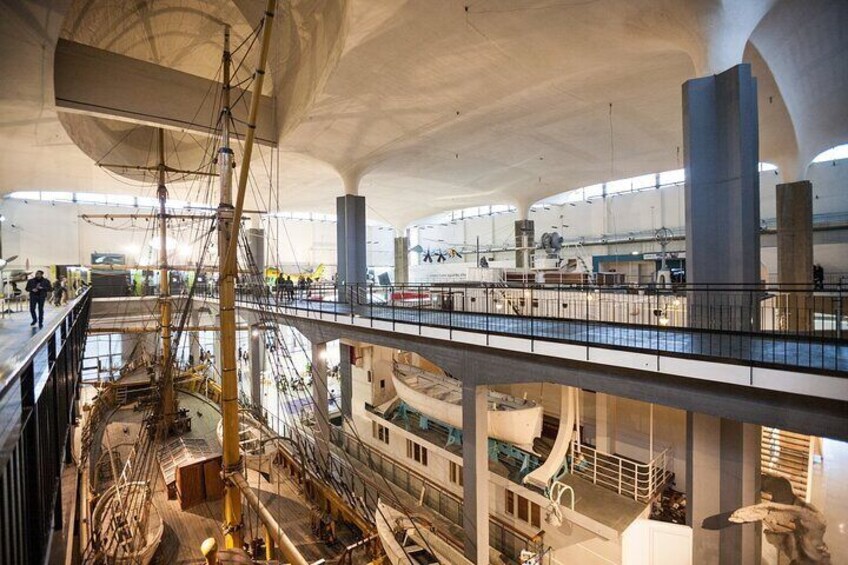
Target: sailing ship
point(158, 432)
point(512, 420)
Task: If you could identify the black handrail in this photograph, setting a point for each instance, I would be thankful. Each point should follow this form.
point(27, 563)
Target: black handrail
point(38, 411)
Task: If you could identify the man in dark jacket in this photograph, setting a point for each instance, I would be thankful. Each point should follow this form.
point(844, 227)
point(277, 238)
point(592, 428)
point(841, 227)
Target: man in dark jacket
point(38, 288)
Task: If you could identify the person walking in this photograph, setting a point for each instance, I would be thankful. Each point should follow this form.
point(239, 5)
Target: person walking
point(38, 288)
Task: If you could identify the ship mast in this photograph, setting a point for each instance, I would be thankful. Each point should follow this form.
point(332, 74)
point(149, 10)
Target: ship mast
point(226, 286)
point(168, 404)
point(229, 219)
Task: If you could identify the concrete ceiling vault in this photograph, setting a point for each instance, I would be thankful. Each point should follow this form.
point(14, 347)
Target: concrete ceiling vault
point(424, 106)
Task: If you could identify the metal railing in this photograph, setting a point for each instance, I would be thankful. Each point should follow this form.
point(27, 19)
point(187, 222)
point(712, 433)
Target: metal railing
point(785, 326)
point(37, 411)
point(639, 481)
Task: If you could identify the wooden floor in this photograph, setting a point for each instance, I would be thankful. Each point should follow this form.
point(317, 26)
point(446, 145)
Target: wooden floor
point(185, 530)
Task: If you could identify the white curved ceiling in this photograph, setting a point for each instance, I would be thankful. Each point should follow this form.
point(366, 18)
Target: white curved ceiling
point(447, 104)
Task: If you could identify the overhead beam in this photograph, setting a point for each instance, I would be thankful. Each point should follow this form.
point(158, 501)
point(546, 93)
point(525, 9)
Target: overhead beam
point(100, 83)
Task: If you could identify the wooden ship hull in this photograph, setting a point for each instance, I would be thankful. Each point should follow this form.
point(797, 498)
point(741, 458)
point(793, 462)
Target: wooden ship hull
point(133, 543)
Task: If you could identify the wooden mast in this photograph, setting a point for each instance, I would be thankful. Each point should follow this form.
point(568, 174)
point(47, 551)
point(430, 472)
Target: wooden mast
point(229, 219)
point(168, 399)
point(226, 282)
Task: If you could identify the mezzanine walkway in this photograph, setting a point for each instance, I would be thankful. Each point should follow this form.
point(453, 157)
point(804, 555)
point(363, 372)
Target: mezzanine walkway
point(759, 349)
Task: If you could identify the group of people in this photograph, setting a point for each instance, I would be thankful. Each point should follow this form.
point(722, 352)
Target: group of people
point(285, 287)
point(40, 289)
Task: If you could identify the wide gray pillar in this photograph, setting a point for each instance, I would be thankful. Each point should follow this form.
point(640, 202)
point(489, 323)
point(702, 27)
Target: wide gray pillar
point(350, 241)
point(722, 475)
point(321, 400)
point(475, 473)
point(256, 244)
point(795, 254)
point(721, 149)
point(401, 260)
point(346, 379)
point(257, 365)
point(525, 243)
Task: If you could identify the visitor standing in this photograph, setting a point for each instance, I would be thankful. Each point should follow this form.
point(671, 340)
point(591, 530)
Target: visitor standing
point(38, 288)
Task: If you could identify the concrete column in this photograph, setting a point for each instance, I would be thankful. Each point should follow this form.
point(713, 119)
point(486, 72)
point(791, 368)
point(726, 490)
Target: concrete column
point(401, 260)
point(346, 378)
point(257, 365)
point(475, 474)
point(194, 339)
point(795, 253)
point(723, 474)
point(321, 400)
point(605, 425)
point(721, 149)
point(525, 243)
point(256, 244)
point(350, 240)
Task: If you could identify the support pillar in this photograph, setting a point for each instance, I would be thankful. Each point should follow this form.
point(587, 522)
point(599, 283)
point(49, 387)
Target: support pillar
point(257, 365)
point(795, 253)
point(401, 260)
point(346, 379)
point(194, 339)
point(721, 149)
point(321, 400)
point(350, 242)
point(475, 463)
point(525, 243)
point(256, 244)
point(605, 422)
point(723, 475)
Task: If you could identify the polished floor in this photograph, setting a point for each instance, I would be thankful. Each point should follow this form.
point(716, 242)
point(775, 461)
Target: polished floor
point(767, 349)
point(18, 339)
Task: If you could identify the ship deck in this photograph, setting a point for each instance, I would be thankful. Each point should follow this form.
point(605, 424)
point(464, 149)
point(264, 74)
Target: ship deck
point(185, 530)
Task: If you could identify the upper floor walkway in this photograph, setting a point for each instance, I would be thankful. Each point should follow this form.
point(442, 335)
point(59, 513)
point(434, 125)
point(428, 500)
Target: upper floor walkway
point(764, 337)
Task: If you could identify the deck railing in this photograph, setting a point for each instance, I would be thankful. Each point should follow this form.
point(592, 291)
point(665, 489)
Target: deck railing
point(38, 395)
point(639, 481)
point(775, 326)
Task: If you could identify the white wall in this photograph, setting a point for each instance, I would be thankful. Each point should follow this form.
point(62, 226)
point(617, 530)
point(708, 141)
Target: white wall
point(49, 234)
point(635, 213)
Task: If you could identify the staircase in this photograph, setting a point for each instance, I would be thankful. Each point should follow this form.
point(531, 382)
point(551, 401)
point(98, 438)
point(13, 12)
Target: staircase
point(788, 455)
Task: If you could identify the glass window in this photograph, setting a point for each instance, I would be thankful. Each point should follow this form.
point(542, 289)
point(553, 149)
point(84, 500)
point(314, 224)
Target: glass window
point(510, 502)
point(120, 200)
point(643, 182)
point(593, 191)
point(535, 515)
point(523, 513)
point(833, 154)
point(91, 198)
point(455, 473)
point(26, 195)
point(146, 202)
point(672, 177)
point(58, 196)
point(618, 186)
